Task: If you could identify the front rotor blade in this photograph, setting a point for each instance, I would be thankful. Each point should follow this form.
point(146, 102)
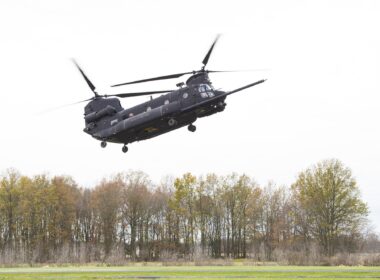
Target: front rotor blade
point(172, 76)
point(232, 71)
point(245, 87)
point(133, 94)
point(205, 60)
point(90, 84)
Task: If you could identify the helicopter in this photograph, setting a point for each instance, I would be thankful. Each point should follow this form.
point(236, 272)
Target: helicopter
point(107, 121)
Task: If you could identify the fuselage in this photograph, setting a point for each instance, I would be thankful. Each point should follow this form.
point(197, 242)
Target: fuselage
point(106, 120)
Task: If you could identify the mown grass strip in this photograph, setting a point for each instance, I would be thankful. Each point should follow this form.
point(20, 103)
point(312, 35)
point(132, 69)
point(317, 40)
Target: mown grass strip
point(191, 272)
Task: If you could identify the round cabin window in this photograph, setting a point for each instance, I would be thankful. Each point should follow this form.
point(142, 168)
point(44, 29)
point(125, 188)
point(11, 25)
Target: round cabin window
point(185, 95)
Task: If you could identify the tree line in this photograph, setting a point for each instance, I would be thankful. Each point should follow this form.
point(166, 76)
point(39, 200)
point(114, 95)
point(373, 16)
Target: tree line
point(127, 217)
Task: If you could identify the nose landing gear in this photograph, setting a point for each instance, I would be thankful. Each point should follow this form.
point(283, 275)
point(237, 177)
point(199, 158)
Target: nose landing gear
point(124, 149)
point(192, 128)
point(103, 144)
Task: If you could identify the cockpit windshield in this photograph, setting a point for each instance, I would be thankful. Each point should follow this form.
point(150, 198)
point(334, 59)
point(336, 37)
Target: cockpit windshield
point(206, 90)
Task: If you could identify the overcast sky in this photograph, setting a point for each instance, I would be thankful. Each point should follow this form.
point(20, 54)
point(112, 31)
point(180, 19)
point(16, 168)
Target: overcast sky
point(321, 99)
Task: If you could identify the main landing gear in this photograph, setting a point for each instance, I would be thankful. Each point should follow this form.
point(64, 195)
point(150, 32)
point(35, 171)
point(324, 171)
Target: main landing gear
point(192, 128)
point(103, 144)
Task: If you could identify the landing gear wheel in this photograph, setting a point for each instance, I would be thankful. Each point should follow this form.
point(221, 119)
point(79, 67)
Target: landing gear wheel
point(124, 149)
point(103, 144)
point(172, 122)
point(192, 128)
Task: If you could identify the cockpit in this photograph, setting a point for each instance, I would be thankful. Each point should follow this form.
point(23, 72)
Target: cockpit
point(206, 90)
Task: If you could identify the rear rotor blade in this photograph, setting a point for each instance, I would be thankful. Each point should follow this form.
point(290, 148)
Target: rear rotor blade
point(63, 106)
point(207, 57)
point(88, 99)
point(71, 104)
point(172, 76)
point(133, 94)
point(90, 84)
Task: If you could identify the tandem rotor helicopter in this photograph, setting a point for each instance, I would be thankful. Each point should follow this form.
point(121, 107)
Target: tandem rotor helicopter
point(106, 120)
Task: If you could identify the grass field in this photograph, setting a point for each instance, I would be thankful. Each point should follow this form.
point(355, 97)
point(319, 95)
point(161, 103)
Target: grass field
point(192, 272)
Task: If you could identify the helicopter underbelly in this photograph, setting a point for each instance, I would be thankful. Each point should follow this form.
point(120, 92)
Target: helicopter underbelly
point(153, 123)
point(151, 129)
